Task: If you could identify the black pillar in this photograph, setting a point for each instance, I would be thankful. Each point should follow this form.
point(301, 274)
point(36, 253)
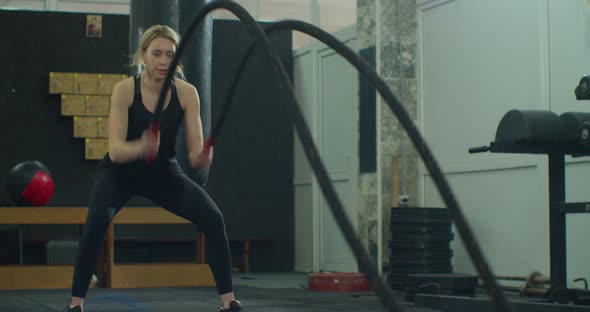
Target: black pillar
point(145, 13)
point(196, 58)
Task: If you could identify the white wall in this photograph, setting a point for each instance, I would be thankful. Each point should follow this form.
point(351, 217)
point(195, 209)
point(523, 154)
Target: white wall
point(569, 42)
point(477, 60)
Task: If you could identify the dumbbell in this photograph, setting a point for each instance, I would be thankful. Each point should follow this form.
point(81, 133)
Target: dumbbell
point(532, 279)
point(527, 291)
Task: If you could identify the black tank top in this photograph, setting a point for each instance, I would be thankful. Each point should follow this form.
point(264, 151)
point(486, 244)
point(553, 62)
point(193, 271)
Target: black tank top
point(170, 120)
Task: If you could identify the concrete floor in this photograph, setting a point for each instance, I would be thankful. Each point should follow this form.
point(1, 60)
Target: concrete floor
point(261, 292)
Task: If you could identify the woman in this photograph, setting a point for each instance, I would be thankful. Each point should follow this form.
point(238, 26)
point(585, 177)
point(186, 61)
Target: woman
point(142, 162)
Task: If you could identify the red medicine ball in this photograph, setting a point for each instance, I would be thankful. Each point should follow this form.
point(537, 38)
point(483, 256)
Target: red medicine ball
point(30, 184)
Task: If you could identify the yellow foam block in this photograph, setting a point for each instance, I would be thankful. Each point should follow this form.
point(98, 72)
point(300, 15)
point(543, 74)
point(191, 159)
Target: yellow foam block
point(96, 148)
point(85, 127)
point(61, 83)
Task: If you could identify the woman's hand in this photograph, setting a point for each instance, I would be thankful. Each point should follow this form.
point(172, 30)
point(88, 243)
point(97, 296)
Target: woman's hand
point(205, 158)
point(150, 143)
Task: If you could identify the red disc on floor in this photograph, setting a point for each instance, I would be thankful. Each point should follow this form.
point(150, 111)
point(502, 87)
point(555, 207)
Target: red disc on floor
point(338, 282)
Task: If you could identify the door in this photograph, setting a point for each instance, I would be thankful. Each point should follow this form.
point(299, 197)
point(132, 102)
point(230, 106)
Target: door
point(326, 88)
point(338, 136)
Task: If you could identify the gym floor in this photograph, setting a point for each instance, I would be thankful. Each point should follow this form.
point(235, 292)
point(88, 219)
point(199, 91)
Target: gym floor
point(260, 292)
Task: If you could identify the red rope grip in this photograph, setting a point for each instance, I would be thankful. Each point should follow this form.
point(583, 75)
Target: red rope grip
point(153, 138)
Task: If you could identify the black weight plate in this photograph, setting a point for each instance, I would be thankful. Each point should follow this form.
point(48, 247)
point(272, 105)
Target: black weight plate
point(418, 269)
point(423, 237)
point(421, 228)
point(408, 255)
point(435, 245)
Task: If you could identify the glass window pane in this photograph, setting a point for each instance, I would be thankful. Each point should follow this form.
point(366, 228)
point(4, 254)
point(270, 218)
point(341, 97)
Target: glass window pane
point(37, 5)
point(93, 7)
point(337, 14)
point(249, 5)
point(273, 10)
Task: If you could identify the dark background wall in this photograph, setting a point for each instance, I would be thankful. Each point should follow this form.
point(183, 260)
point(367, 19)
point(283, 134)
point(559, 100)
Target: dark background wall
point(252, 173)
point(251, 177)
point(32, 127)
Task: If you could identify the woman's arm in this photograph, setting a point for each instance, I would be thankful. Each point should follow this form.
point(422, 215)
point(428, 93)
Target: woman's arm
point(193, 128)
point(120, 150)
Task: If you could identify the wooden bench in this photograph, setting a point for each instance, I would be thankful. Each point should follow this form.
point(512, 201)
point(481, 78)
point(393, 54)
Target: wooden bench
point(115, 275)
point(245, 243)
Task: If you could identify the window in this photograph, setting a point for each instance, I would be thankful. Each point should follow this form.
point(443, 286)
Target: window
point(105, 7)
point(273, 10)
point(36, 5)
point(337, 14)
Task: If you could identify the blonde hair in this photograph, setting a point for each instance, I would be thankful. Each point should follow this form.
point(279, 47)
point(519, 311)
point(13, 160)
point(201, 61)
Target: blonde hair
point(156, 31)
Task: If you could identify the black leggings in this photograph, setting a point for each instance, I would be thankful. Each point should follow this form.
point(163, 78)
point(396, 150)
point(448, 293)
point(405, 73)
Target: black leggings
point(167, 186)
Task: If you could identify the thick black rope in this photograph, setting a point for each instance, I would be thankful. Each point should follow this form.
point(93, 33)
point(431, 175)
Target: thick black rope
point(386, 296)
point(477, 257)
point(368, 72)
point(380, 287)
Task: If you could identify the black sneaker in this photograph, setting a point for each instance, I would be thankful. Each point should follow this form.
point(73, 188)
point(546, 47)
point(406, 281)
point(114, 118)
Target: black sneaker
point(75, 309)
point(234, 306)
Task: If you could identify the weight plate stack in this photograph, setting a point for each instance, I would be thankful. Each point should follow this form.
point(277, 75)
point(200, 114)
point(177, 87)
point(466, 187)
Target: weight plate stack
point(420, 244)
